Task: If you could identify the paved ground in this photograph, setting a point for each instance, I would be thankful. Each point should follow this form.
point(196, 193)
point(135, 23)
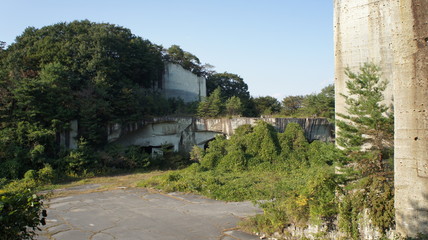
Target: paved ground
point(141, 214)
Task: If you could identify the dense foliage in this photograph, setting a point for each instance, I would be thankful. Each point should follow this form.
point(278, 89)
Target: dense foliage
point(266, 105)
point(320, 104)
point(97, 74)
point(21, 210)
point(304, 183)
point(317, 105)
point(313, 105)
point(258, 163)
point(233, 89)
point(187, 60)
point(20, 214)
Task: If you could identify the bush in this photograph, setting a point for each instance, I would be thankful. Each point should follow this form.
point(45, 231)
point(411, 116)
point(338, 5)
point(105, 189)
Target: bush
point(137, 157)
point(20, 210)
point(131, 157)
point(298, 188)
point(10, 169)
point(81, 160)
point(30, 175)
point(46, 175)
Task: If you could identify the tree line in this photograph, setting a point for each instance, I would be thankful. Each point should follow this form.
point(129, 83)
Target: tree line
point(100, 73)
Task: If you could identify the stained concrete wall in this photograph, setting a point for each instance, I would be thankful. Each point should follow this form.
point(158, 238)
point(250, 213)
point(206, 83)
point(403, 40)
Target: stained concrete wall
point(411, 122)
point(180, 132)
point(180, 83)
point(362, 33)
point(314, 128)
point(394, 34)
point(68, 139)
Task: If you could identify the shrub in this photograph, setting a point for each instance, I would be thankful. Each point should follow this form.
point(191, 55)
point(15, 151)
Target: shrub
point(20, 210)
point(10, 169)
point(82, 159)
point(30, 175)
point(136, 157)
point(46, 175)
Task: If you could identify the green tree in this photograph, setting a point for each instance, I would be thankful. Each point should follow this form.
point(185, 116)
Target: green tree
point(292, 104)
point(366, 131)
point(366, 134)
point(233, 106)
point(187, 60)
point(267, 105)
point(211, 106)
point(319, 105)
point(79, 70)
point(230, 85)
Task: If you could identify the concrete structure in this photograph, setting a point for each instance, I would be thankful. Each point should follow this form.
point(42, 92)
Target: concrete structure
point(178, 82)
point(393, 34)
point(68, 139)
point(183, 133)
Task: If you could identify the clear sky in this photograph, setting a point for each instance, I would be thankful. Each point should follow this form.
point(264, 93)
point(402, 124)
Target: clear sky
point(279, 47)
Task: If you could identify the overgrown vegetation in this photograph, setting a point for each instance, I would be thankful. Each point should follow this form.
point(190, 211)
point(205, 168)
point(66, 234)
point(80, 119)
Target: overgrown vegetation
point(21, 210)
point(257, 163)
point(97, 74)
point(100, 74)
point(300, 183)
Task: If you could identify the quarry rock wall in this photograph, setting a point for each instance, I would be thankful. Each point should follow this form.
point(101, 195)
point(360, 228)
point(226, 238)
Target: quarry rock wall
point(185, 132)
point(178, 82)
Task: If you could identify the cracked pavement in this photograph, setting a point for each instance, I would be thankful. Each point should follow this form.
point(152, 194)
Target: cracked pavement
point(138, 213)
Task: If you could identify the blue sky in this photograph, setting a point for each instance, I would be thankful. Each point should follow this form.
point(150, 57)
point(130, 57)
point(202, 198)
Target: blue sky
point(279, 47)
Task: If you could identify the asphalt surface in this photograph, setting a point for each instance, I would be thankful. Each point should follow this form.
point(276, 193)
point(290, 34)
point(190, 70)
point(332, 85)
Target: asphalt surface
point(143, 214)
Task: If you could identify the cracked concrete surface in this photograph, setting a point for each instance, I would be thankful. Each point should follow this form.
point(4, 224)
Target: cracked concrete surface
point(143, 214)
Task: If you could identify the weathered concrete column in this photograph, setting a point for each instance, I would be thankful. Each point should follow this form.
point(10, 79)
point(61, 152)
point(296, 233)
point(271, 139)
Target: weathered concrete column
point(394, 35)
point(411, 120)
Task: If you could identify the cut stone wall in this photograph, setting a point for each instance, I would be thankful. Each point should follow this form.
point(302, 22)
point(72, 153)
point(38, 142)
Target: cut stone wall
point(185, 132)
point(394, 35)
point(178, 82)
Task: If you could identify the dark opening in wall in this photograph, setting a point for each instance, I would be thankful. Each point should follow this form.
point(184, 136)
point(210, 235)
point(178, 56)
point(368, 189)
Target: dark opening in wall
point(426, 41)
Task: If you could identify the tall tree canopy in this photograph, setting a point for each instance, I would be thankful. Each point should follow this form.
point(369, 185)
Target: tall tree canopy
point(321, 104)
point(267, 105)
point(187, 60)
point(81, 70)
point(292, 104)
point(230, 85)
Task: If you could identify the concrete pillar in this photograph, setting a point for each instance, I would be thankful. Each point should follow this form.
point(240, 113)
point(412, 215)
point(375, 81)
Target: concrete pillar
point(411, 122)
point(394, 35)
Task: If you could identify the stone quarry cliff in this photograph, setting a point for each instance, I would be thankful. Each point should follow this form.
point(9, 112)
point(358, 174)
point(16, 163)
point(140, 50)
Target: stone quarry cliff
point(184, 132)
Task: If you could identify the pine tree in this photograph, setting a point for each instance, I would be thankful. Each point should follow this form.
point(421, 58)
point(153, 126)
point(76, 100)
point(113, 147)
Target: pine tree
point(366, 131)
point(234, 106)
point(211, 106)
